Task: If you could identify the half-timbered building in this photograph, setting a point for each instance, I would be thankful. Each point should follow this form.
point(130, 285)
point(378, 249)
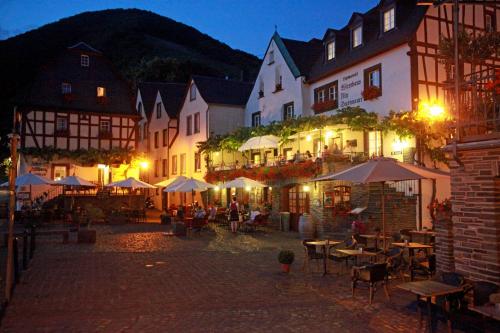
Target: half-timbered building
point(77, 102)
point(386, 59)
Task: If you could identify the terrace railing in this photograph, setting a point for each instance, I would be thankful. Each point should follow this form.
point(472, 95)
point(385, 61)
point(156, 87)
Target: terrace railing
point(479, 117)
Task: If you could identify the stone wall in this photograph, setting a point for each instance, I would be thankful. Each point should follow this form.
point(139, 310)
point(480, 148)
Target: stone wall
point(475, 195)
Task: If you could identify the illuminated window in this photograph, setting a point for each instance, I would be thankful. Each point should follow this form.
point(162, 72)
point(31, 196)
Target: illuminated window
point(357, 36)
point(330, 50)
point(84, 60)
point(66, 88)
point(101, 92)
point(389, 21)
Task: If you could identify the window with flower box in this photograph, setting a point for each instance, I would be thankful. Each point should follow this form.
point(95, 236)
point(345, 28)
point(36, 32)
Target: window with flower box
point(372, 82)
point(326, 97)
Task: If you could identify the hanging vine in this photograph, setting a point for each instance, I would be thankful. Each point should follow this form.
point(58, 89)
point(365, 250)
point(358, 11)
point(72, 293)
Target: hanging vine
point(87, 157)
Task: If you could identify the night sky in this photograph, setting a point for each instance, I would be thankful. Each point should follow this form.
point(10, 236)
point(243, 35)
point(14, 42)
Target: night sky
point(245, 25)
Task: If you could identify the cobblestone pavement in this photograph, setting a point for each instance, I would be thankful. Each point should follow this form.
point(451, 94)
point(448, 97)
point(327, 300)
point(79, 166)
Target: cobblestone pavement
point(138, 279)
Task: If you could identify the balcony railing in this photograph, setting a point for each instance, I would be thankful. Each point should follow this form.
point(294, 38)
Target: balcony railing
point(479, 117)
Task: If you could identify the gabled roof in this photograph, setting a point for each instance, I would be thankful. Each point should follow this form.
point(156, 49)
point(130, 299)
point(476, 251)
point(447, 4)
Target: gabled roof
point(45, 93)
point(221, 91)
point(172, 95)
point(408, 18)
point(82, 46)
point(303, 54)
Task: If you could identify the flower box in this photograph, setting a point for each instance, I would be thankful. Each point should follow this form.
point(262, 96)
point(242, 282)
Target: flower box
point(328, 105)
point(372, 92)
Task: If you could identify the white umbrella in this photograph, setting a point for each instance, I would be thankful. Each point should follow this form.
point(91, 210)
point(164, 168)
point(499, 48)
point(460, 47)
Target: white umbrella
point(31, 179)
point(189, 185)
point(131, 183)
point(377, 170)
point(167, 182)
point(243, 182)
point(260, 142)
point(74, 181)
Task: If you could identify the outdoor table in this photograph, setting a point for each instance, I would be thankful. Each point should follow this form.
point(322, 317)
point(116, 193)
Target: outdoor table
point(324, 246)
point(357, 253)
point(429, 289)
point(424, 233)
point(376, 238)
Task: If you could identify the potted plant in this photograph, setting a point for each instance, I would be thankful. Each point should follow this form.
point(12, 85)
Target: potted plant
point(286, 258)
point(87, 235)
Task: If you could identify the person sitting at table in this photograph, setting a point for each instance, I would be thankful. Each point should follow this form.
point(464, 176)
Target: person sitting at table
point(212, 211)
point(308, 155)
point(297, 157)
point(199, 213)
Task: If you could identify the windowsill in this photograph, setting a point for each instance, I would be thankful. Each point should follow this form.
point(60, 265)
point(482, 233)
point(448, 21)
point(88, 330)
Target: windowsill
point(270, 63)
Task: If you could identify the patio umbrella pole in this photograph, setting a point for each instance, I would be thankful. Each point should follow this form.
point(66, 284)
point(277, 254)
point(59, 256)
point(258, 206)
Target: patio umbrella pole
point(12, 207)
point(383, 214)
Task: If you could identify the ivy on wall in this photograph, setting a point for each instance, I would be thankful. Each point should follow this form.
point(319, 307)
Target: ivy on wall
point(84, 157)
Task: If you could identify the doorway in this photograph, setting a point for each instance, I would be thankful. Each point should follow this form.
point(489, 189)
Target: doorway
point(296, 202)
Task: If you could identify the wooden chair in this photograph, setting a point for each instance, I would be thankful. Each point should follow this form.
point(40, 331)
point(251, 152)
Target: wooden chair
point(425, 268)
point(395, 262)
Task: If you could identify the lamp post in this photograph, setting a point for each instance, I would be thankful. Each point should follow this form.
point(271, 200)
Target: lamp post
point(14, 139)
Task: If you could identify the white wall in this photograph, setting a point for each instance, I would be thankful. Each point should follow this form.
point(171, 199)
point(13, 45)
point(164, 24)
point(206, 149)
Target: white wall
point(396, 83)
point(271, 105)
point(157, 125)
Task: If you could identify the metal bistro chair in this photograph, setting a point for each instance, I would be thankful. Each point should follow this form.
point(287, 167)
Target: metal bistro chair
point(348, 244)
point(371, 275)
point(395, 262)
point(310, 253)
point(425, 268)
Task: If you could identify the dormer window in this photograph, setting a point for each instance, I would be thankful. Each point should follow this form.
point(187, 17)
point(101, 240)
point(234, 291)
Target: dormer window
point(389, 19)
point(84, 60)
point(66, 88)
point(330, 50)
point(192, 93)
point(357, 36)
point(271, 57)
point(101, 92)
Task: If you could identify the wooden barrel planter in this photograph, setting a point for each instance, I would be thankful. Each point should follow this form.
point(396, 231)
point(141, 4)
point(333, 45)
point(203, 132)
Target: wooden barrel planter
point(306, 227)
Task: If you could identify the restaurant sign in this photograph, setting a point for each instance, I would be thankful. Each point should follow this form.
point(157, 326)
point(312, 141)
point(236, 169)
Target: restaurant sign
point(350, 90)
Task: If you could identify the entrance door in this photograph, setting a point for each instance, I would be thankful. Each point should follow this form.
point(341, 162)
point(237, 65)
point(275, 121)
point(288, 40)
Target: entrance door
point(298, 203)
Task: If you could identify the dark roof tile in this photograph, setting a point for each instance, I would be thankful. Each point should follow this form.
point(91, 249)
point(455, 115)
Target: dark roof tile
point(221, 91)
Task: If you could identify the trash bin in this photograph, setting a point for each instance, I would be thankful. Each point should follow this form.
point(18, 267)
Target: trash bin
point(285, 221)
